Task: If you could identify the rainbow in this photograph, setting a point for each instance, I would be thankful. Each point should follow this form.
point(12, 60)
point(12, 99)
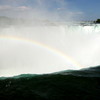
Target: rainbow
point(44, 46)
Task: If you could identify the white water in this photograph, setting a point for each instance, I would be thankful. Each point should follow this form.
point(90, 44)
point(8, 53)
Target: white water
point(81, 43)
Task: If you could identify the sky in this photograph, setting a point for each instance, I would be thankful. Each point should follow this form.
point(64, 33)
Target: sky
point(90, 8)
point(65, 9)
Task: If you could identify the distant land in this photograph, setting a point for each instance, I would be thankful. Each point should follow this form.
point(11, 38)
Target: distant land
point(6, 21)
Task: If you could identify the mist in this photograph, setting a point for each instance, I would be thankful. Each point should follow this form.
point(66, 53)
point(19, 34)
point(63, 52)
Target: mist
point(41, 39)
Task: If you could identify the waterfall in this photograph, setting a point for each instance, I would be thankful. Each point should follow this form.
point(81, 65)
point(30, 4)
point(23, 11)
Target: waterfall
point(48, 48)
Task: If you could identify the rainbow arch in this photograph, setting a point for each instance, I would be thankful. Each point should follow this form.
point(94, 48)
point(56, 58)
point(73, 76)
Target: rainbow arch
point(50, 49)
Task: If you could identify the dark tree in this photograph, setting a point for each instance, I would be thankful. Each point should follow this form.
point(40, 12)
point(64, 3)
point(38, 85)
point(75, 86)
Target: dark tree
point(98, 21)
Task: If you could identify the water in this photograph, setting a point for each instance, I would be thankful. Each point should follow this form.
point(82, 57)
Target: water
point(47, 47)
point(83, 84)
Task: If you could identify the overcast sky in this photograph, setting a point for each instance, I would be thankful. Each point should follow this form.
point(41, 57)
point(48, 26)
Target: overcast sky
point(78, 9)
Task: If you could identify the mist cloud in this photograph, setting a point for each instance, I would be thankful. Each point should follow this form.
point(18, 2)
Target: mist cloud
point(18, 57)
